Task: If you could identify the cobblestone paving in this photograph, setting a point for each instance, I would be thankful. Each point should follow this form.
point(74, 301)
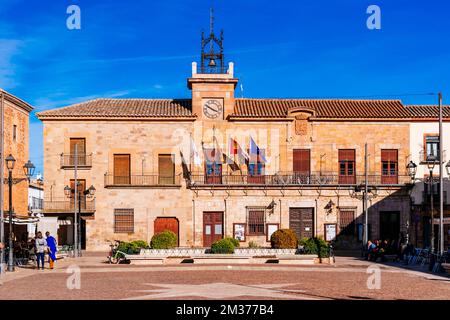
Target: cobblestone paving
point(346, 280)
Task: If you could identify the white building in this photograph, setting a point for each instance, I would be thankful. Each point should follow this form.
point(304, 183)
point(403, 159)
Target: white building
point(424, 142)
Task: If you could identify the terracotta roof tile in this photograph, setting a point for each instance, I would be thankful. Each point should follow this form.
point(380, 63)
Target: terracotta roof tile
point(427, 111)
point(123, 108)
point(324, 108)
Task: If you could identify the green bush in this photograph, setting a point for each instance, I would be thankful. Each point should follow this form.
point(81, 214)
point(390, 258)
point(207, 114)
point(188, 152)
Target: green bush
point(235, 242)
point(133, 247)
point(224, 246)
point(164, 240)
point(284, 239)
point(253, 245)
point(316, 246)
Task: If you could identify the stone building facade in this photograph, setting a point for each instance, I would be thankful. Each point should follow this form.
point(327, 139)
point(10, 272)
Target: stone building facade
point(305, 174)
point(15, 142)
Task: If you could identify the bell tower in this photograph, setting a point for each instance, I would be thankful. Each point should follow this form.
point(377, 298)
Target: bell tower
point(212, 84)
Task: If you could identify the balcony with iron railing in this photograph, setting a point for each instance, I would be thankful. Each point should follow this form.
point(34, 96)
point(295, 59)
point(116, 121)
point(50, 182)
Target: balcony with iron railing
point(425, 158)
point(65, 205)
point(142, 181)
point(293, 179)
point(83, 161)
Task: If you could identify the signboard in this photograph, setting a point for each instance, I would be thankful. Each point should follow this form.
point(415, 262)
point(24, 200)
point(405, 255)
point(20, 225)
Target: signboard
point(239, 231)
point(446, 220)
point(271, 228)
point(330, 232)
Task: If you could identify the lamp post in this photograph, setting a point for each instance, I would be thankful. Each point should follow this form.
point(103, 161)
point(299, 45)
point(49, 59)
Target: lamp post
point(411, 168)
point(68, 191)
point(29, 171)
point(431, 162)
point(364, 193)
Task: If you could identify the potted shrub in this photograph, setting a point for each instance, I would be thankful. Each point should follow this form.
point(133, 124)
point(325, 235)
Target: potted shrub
point(224, 246)
point(284, 239)
point(164, 240)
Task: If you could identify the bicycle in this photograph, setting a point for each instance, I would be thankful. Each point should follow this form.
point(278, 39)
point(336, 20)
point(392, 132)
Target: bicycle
point(115, 255)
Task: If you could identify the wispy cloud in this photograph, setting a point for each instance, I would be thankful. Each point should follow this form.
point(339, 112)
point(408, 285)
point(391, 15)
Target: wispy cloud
point(60, 99)
point(9, 48)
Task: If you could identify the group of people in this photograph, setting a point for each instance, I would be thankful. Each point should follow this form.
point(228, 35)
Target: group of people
point(378, 249)
point(38, 247)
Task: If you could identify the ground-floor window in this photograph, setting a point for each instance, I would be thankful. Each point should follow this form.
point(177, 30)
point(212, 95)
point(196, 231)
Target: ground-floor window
point(347, 222)
point(256, 222)
point(123, 220)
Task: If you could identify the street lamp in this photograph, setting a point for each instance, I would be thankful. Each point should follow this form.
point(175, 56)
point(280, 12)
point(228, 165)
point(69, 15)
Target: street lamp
point(447, 167)
point(68, 191)
point(28, 169)
point(412, 169)
point(431, 162)
point(364, 193)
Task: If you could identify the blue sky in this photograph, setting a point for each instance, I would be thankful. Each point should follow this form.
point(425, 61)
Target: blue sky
point(142, 48)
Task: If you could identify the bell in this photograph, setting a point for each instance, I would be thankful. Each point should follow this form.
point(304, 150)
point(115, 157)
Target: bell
point(212, 63)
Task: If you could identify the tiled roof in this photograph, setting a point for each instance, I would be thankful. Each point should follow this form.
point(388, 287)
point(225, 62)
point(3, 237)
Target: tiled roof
point(427, 111)
point(123, 108)
point(324, 108)
point(15, 100)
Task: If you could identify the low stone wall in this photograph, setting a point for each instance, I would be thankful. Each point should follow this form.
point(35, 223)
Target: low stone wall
point(189, 252)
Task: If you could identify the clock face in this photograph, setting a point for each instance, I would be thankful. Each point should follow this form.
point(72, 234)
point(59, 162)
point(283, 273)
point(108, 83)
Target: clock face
point(213, 109)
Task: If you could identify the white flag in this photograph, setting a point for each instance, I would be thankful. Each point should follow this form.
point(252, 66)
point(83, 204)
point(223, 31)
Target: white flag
point(194, 156)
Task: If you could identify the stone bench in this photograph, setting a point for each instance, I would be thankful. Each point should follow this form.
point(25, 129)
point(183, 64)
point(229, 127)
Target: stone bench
point(446, 267)
point(144, 260)
point(221, 259)
point(306, 259)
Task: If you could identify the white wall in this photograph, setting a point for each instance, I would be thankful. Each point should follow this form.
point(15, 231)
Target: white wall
point(417, 132)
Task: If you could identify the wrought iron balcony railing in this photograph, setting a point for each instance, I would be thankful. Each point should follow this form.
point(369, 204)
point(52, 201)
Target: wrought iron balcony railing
point(68, 206)
point(296, 179)
point(149, 181)
point(82, 160)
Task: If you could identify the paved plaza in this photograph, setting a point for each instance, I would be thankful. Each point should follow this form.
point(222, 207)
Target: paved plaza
point(347, 279)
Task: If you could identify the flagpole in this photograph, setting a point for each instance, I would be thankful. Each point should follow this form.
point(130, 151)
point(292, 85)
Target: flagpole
point(190, 152)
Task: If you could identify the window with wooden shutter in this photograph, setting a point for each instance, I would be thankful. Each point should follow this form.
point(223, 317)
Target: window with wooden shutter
point(389, 166)
point(122, 174)
point(301, 165)
point(256, 222)
point(166, 169)
point(347, 222)
point(123, 220)
point(80, 143)
point(347, 170)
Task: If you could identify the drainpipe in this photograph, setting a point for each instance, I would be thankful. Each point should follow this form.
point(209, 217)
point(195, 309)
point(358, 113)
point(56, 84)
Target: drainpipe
point(225, 219)
point(193, 222)
point(280, 213)
point(2, 176)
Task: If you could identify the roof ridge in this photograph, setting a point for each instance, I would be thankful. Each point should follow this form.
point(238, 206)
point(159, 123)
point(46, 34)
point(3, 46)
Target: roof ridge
point(319, 99)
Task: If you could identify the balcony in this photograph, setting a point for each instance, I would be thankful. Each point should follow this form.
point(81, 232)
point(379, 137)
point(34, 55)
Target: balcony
point(292, 179)
point(427, 159)
point(142, 181)
point(67, 206)
point(84, 161)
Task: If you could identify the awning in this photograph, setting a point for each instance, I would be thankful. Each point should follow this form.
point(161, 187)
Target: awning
point(23, 220)
point(64, 222)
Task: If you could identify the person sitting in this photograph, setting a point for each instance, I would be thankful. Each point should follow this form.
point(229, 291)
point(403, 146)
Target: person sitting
point(371, 247)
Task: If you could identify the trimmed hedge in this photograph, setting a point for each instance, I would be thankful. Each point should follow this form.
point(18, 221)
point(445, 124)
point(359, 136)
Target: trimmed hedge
point(133, 247)
point(284, 239)
point(225, 246)
point(316, 246)
point(164, 240)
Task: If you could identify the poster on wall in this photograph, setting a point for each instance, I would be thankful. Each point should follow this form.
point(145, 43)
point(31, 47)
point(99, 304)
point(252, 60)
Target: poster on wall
point(330, 232)
point(271, 228)
point(239, 231)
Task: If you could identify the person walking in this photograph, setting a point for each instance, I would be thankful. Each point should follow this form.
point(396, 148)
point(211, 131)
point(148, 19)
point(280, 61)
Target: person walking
point(41, 247)
point(52, 249)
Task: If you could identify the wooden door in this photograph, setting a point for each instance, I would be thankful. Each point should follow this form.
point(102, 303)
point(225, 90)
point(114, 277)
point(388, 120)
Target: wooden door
point(163, 224)
point(81, 151)
point(212, 227)
point(166, 169)
point(122, 169)
point(301, 220)
point(301, 166)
